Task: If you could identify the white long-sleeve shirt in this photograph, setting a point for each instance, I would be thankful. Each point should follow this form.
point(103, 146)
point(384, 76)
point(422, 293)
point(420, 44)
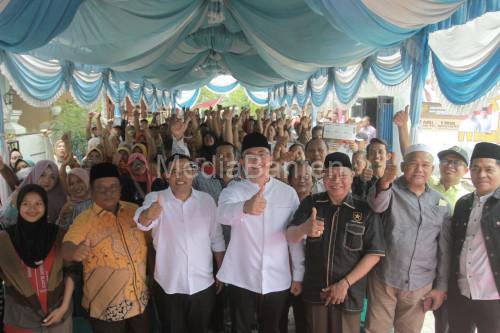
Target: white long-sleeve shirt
point(257, 258)
point(184, 237)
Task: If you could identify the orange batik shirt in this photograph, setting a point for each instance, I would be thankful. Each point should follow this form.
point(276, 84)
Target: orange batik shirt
point(114, 273)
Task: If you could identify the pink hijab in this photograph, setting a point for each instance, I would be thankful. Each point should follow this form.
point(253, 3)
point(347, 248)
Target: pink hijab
point(147, 175)
point(57, 195)
point(82, 174)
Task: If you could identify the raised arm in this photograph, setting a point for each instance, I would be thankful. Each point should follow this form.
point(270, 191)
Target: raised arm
point(401, 121)
point(227, 125)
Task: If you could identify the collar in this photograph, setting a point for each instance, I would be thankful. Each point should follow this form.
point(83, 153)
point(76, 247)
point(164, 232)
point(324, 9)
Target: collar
point(484, 198)
point(401, 181)
point(269, 183)
point(99, 211)
point(496, 195)
point(325, 198)
point(169, 195)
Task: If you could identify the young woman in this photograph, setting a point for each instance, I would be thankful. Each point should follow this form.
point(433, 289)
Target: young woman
point(37, 292)
point(45, 173)
point(78, 187)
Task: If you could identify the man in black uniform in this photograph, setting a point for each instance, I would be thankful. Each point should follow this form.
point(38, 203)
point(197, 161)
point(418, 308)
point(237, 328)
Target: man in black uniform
point(344, 242)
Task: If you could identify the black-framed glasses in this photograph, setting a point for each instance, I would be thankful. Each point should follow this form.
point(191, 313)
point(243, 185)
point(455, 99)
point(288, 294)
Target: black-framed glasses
point(453, 163)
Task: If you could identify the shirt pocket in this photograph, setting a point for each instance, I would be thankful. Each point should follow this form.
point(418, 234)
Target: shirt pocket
point(353, 236)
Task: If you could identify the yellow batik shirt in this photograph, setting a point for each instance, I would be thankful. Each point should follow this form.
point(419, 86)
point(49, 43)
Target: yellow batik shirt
point(114, 273)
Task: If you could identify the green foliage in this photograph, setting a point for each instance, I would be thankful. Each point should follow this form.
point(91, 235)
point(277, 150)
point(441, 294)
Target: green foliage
point(236, 97)
point(73, 119)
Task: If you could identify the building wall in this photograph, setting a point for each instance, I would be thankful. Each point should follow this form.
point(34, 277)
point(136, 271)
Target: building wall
point(34, 118)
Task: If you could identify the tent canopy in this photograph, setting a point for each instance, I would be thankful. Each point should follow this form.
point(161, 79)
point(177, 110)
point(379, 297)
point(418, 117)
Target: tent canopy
point(294, 49)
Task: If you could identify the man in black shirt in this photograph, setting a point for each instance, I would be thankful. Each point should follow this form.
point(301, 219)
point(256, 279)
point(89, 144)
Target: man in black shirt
point(344, 242)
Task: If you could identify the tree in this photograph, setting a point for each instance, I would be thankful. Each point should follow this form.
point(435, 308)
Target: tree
point(236, 97)
point(73, 119)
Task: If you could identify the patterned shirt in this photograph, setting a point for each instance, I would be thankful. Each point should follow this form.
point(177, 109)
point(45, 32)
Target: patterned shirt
point(115, 271)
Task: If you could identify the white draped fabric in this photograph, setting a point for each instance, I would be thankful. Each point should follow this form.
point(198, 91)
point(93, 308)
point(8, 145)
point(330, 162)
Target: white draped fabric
point(466, 46)
point(412, 14)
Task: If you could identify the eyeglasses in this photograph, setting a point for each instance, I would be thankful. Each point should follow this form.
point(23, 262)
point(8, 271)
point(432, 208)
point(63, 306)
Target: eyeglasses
point(334, 177)
point(453, 163)
point(103, 190)
point(257, 155)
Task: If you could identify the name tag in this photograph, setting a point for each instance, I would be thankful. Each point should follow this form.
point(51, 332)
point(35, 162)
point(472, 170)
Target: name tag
point(442, 203)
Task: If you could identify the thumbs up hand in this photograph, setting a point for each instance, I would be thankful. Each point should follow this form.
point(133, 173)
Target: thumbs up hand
point(390, 173)
point(256, 204)
point(313, 226)
point(401, 117)
point(154, 211)
point(367, 173)
point(82, 251)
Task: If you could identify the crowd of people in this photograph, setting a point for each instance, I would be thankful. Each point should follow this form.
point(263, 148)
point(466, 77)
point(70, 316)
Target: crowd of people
point(204, 220)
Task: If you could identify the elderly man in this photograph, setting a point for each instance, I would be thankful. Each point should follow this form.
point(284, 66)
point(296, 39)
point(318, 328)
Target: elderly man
point(474, 297)
point(413, 277)
point(256, 265)
point(316, 150)
point(185, 234)
point(340, 253)
point(453, 164)
point(113, 253)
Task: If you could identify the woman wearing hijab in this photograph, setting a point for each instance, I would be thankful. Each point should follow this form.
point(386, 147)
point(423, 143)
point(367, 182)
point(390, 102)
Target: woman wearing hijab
point(45, 174)
point(137, 183)
point(207, 150)
point(77, 185)
point(14, 156)
point(37, 292)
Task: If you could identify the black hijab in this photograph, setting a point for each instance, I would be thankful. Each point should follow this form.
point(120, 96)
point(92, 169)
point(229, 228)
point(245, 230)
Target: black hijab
point(32, 241)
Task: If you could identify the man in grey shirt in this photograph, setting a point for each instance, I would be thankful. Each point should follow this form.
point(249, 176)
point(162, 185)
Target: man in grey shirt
point(413, 277)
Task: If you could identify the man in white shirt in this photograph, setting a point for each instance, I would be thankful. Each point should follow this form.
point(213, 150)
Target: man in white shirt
point(185, 233)
point(257, 265)
point(474, 290)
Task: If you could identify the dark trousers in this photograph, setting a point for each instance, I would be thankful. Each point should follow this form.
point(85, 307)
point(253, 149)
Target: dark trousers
point(137, 324)
point(465, 313)
point(245, 304)
point(180, 313)
point(331, 319)
point(441, 319)
point(299, 314)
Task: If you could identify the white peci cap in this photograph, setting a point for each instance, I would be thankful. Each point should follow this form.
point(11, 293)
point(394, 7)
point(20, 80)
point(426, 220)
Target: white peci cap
point(419, 147)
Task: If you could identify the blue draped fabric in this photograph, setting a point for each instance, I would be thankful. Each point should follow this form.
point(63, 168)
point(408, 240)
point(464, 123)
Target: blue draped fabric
point(466, 87)
point(302, 97)
point(385, 123)
point(348, 90)
point(470, 10)
point(318, 96)
point(357, 21)
point(85, 91)
point(222, 89)
point(420, 66)
point(34, 85)
point(26, 24)
point(390, 76)
point(255, 99)
point(134, 94)
point(191, 101)
point(116, 90)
